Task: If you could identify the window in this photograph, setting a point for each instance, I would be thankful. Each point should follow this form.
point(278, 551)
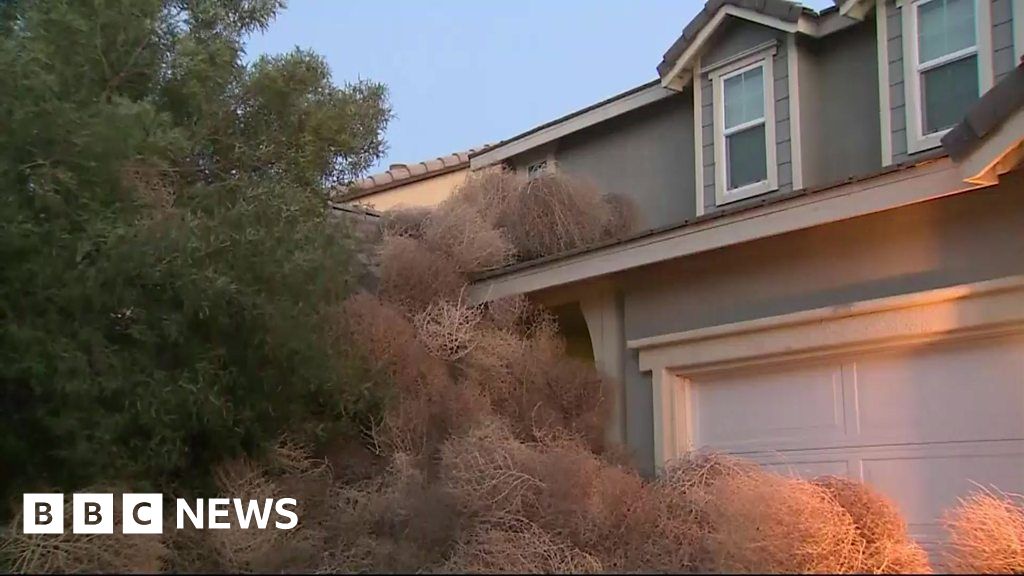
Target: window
point(947, 55)
point(744, 114)
point(536, 169)
point(745, 147)
point(946, 65)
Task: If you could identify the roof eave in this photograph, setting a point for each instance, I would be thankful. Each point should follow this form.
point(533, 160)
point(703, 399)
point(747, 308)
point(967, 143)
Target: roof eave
point(894, 188)
point(857, 9)
point(630, 100)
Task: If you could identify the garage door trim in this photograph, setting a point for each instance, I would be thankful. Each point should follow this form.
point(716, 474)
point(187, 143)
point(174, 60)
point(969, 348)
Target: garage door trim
point(982, 309)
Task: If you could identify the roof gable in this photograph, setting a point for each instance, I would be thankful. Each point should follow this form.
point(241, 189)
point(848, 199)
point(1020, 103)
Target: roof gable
point(790, 17)
point(780, 14)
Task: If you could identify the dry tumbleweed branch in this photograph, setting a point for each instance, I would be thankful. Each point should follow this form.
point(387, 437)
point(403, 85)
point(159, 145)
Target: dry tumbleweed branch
point(987, 533)
point(446, 329)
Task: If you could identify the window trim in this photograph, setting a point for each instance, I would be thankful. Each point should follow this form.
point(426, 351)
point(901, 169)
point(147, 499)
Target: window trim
point(542, 167)
point(764, 59)
point(917, 140)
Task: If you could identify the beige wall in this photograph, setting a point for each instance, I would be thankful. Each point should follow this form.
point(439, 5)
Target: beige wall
point(426, 192)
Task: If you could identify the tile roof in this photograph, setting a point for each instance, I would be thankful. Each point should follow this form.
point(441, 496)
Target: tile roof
point(399, 174)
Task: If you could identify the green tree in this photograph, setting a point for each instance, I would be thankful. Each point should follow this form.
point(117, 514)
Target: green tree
point(169, 268)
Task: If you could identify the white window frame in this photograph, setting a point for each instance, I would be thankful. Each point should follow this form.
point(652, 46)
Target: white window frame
point(917, 140)
point(761, 59)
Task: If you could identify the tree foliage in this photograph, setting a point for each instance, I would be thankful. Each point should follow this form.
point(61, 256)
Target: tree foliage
point(170, 269)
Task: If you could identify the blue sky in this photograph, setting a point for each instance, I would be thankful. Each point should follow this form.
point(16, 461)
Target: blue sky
point(462, 73)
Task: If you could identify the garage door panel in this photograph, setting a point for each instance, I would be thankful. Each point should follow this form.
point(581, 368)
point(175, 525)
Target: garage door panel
point(744, 412)
point(966, 392)
point(923, 480)
point(810, 468)
point(971, 391)
point(931, 480)
point(924, 424)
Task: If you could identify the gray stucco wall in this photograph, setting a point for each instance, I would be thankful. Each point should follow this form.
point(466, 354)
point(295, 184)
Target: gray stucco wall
point(645, 155)
point(733, 38)
point(1002, 64)
point(841, 136)
point(959, 239)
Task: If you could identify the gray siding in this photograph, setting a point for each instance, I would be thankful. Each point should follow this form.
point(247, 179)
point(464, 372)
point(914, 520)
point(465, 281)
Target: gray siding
point(645, 155)
point(708, 142)
point(733, 39)
point(839, 104)
point(783, 150)
point(1002, 38)
point(897, 105)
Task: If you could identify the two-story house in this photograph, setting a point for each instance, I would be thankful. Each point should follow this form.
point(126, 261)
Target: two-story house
point(830, 276)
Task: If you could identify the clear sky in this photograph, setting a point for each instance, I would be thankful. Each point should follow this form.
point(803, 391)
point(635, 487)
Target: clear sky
point(463, 73)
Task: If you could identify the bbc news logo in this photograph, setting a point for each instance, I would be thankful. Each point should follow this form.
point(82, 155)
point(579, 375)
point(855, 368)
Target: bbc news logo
point(143, 513)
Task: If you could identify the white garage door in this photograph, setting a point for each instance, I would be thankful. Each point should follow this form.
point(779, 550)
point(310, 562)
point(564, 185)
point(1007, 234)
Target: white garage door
point(922, 424)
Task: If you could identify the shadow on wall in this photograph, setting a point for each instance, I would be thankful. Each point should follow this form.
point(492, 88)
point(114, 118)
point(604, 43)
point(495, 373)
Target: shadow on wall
point(573, 327)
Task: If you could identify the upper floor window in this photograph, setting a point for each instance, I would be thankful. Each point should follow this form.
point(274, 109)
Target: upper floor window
point(745, 145)
point(744, 118)
point(946, 66)
point(947, 60)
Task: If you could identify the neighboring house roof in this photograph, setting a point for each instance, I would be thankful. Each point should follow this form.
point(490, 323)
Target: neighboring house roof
point(401, 174)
